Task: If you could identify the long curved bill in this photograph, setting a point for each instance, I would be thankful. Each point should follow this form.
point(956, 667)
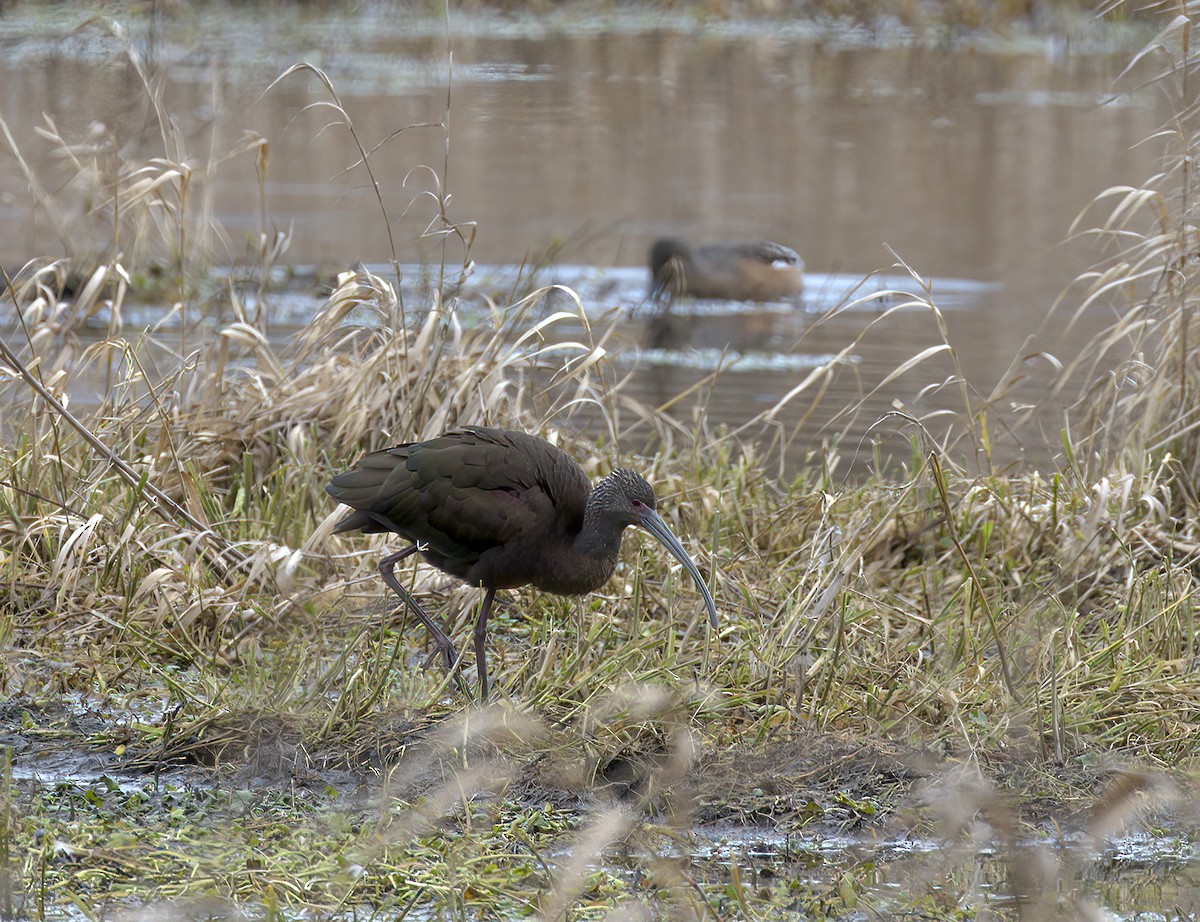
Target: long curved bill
point(652, 522)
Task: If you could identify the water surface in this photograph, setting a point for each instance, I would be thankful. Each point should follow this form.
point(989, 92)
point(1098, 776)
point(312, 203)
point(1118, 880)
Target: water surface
point(578, 142)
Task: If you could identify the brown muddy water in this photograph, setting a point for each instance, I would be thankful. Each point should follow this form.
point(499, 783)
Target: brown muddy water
point(574, 142)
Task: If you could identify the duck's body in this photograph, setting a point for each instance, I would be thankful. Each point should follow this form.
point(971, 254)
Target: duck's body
point(499, 509)
point(751, 271)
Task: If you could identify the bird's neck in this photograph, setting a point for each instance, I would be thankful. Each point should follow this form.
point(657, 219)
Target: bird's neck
point(586, 563)
point(599, 539)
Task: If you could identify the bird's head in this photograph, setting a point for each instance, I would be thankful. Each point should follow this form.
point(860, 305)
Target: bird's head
point(624, 497)
point(670, 262)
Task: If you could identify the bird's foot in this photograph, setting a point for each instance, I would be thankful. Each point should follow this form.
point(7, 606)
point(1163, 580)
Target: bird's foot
point(448, 659)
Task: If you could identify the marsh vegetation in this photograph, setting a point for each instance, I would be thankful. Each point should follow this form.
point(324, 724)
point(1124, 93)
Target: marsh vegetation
point(940, 687)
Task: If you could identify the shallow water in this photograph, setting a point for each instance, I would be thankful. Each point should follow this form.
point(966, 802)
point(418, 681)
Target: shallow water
point(579, 141)
point(1137, 876)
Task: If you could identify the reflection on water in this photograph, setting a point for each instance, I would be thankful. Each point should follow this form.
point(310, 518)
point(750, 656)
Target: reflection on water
point(1140, 876)
point(585, 144)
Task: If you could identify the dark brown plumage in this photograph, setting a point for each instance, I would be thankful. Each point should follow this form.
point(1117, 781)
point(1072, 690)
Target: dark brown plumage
point(499, 509)
point(753, 271)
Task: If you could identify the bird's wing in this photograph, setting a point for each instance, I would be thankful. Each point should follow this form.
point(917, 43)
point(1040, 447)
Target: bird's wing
point(492, 485)
point(464, 492)
point(768, 252)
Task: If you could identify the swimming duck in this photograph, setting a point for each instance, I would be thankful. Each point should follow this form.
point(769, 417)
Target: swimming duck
point(753, 271)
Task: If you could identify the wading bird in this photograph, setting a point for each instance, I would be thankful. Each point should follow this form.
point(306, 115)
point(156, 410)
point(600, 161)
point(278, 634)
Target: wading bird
point(754, 271)
point(499, 509)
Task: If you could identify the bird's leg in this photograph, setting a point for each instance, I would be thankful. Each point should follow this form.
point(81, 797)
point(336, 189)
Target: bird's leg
point(387, 569)
point(481, 643)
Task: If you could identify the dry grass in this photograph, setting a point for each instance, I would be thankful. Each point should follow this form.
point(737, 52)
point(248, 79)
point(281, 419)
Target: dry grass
point(167, 545)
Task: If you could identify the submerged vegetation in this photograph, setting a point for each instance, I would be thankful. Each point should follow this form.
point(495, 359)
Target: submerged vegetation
point(237, 718)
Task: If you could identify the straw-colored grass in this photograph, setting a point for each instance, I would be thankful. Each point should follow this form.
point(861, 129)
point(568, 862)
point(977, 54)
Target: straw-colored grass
point(172, 596)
